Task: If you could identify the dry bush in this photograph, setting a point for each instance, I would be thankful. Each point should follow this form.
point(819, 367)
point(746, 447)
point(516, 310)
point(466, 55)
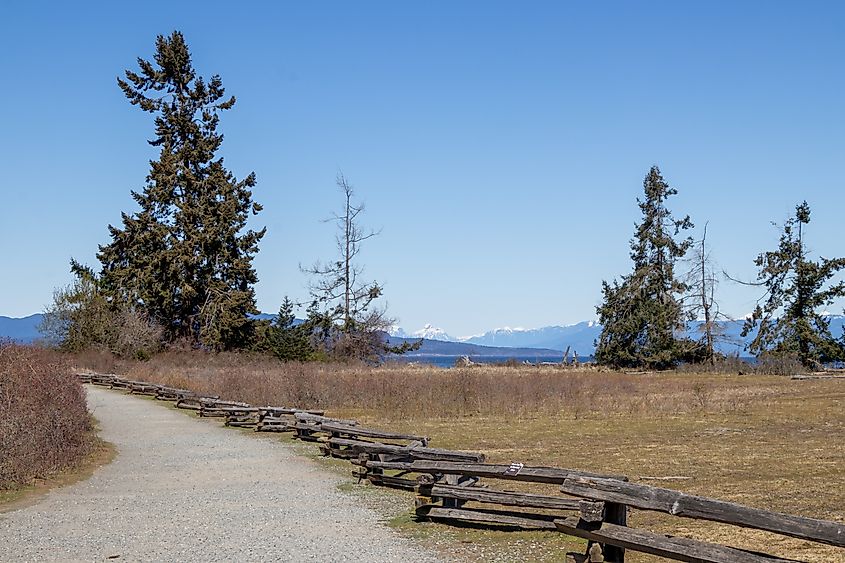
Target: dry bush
point(403, 391)
point(44, 422)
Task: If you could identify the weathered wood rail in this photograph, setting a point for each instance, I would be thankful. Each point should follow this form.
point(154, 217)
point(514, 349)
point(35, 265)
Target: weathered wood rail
point(448, 485)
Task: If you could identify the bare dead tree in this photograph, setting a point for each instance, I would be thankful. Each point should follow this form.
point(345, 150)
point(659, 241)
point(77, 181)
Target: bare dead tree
point(354, 325)
point(701, 280)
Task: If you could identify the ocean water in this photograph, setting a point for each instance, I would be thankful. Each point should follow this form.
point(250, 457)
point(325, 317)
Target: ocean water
point(447, 361)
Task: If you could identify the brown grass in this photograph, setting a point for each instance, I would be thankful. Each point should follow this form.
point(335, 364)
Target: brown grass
point(764, 441)
point(44, 422)
point(419, 392)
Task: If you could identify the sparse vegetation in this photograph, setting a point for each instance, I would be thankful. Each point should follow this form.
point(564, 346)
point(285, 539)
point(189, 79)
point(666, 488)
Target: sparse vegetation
point(44, 423)
point(760, 440)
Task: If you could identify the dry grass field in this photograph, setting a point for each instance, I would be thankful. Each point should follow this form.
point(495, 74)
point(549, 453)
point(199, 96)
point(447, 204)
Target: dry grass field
point(765, 441)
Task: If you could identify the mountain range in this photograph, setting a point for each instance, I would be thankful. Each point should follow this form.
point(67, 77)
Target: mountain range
point(24, 329)
point(581, 337)
point(542, 342)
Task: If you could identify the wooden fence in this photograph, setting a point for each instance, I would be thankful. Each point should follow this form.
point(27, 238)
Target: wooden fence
point(449, 487)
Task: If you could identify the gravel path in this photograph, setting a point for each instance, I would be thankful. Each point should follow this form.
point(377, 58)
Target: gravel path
point(186, 490)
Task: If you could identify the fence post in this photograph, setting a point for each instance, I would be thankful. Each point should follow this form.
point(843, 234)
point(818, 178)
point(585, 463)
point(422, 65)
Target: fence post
point(615, 513)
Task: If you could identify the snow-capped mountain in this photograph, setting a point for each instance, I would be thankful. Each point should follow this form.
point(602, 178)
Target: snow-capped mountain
point(430, 332)
point(578, 337)
point(581, 337)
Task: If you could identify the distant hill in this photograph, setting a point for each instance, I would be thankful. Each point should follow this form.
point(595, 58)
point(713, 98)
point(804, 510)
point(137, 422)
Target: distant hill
point(23, 330)
point(543, 342)
point(579, 337)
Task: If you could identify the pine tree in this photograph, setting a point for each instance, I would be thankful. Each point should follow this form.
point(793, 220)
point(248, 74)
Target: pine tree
point(288, 340)
point(788, 321)
point(641, 314)
point(185, 258)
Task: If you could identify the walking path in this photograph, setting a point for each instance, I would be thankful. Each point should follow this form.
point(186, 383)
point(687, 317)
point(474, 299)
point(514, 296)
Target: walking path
point(182, 489)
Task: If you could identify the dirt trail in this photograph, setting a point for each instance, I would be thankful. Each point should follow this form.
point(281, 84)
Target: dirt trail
point(185, 490)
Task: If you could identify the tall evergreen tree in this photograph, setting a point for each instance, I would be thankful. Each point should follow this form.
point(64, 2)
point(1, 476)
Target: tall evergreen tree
point(185, 258)
point(788, 320)
point(641, 314)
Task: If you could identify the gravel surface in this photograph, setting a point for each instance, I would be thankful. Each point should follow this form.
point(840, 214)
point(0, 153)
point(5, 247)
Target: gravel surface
point(183, 489)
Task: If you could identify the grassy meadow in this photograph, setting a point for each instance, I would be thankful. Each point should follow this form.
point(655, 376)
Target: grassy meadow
point(765, 441)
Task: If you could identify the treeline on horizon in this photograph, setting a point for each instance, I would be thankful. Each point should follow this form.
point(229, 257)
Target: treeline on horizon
point(179, 271)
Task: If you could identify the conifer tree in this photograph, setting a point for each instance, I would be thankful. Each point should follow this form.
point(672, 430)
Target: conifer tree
point(641, 314)
point(185, 258)
point(788, 320)
point(288, 340)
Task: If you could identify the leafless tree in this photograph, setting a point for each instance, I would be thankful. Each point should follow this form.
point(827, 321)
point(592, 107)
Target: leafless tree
point(339, 291)
point(702, 280)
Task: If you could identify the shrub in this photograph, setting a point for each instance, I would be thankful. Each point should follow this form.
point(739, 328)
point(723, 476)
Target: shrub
point(44, 422)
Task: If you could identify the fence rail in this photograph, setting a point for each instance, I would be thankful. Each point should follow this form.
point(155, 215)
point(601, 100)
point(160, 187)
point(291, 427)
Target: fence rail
point(592, 506)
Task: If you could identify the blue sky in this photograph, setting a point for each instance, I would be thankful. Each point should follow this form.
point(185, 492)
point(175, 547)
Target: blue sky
point(499, 146)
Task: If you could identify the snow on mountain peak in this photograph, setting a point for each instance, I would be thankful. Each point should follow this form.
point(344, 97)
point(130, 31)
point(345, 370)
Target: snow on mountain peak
point(397, 331)
point(431, 332)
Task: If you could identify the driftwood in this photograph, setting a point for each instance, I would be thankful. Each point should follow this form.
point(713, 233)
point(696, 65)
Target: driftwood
point(673, 502)
point(817, 376)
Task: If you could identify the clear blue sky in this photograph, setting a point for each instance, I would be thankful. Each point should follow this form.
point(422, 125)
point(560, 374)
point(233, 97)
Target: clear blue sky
point(500, 146)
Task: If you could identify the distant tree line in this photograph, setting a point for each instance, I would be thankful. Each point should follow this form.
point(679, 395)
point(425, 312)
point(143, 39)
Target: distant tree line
point(644, 315)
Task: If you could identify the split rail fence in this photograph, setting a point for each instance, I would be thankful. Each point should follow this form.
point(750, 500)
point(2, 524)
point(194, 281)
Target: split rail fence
point(449, 488)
